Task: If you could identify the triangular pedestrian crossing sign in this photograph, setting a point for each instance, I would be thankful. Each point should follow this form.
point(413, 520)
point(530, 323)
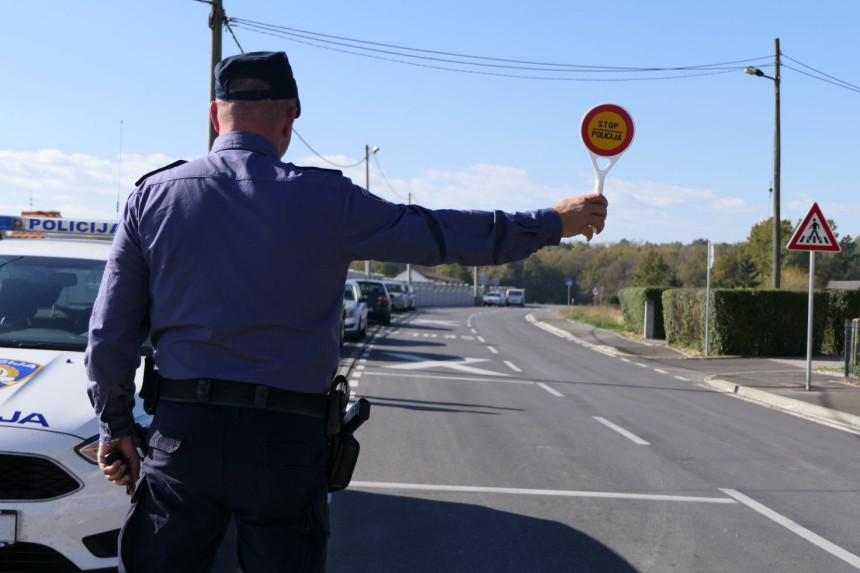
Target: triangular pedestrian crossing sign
point(813, 234)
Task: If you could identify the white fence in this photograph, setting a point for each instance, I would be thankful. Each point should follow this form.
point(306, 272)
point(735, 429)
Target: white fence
point(442, 294)
point(429, 294)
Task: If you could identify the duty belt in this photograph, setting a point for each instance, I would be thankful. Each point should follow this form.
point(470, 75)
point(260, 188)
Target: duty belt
point(243, 395)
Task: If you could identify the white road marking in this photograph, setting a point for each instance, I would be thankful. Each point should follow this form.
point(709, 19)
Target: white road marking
point(425, 376)
point(481, 339)
point(660, 371)
point(474, 331)
point(456, 363)
point(681, 378)
point(629, 435)
point(492, 349)
point(795, 528)
point(625, 360)
point(436, 322)
point(551, 390)
point(512, 366)
point(640, 364)
point(546, 492)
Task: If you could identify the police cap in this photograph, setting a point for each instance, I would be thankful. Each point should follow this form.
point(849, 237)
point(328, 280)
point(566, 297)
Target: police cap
point(272, 67)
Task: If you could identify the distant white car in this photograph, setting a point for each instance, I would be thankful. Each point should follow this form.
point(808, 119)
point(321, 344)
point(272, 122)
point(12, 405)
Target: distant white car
point(515, 296)
point(494, 298)
point(355, 318)
point(57, 510)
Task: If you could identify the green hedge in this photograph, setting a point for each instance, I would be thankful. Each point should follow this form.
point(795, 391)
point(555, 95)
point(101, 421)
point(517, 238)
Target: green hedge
point(633, 309)
point(750, 322)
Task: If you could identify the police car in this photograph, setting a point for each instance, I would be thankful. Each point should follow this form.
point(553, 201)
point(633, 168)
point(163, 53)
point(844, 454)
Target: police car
point(57, 511)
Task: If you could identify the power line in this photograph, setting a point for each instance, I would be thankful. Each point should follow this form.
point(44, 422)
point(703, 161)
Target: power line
point(520, 63)
point(831, 80)
point(319, 41)
point(384, 178)
point(506, 67)
point(315, 152)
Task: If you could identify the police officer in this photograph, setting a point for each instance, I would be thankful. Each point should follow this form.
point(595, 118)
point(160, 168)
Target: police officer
point(234, 264)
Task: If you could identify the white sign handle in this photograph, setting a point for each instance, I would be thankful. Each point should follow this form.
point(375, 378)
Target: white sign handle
point(601, 173)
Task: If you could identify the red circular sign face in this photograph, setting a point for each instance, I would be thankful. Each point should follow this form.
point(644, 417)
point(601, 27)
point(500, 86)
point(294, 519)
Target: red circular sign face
point(607, 130)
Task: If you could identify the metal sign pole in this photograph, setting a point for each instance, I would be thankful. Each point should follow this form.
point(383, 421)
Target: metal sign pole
point(809, 321)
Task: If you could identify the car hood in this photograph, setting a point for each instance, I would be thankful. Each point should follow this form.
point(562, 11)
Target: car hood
point(46, 390)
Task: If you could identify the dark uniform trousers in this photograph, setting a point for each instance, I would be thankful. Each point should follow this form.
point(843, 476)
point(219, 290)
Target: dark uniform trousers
point(207, 464)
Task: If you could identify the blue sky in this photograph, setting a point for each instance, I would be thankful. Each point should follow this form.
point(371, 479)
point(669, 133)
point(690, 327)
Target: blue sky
point(96, 93)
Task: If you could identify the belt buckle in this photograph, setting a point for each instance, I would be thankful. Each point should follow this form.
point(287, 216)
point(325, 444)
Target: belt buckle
point(261, 395)
point(203, 386)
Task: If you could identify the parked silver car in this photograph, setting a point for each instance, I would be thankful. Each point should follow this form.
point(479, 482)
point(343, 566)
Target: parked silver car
point(355, 317)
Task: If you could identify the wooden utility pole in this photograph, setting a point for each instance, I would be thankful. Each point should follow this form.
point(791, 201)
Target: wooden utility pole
point(216, 22)
point(776, 170)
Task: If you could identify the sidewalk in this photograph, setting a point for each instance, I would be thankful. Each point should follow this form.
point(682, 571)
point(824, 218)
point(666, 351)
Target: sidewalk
point(776, 382)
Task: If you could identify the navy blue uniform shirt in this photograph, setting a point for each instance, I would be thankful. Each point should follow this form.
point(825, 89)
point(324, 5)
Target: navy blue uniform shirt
point(234, 264)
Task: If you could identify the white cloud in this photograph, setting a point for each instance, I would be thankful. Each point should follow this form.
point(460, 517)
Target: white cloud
point(73, 183)
point(85, 186)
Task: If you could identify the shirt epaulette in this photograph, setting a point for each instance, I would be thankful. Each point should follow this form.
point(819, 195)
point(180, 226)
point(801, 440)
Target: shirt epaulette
point(159, 170)
point(335, 171)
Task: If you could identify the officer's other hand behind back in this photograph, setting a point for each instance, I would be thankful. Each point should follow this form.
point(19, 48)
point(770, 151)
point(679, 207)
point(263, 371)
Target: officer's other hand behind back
point(584, 215)
point(125, 471)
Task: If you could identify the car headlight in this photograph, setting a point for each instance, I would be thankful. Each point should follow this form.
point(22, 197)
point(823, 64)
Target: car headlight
point(89, 450)
point(350, 313)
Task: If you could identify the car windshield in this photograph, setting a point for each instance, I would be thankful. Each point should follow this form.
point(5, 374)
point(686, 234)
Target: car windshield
point(393, 287)
point(46, 302)
point(348, 294)
point(372, 289)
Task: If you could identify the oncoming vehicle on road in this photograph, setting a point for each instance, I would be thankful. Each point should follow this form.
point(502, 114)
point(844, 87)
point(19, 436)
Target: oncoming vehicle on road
point(494, 298)
point(57, 510)
point(515, 296)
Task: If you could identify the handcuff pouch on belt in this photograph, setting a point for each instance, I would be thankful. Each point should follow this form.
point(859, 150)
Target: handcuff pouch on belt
point(340, 425)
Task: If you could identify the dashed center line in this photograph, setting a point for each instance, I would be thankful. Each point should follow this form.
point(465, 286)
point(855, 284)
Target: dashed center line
point(512, 366)
point(629, 435)
point(551, 390)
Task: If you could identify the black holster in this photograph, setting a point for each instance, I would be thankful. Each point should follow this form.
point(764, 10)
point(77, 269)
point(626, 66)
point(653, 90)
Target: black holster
point(340, 425)
point(149, 387)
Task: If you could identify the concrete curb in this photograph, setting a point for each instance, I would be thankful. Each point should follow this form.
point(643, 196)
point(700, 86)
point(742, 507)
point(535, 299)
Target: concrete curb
point(603, 349)
point(829, 415)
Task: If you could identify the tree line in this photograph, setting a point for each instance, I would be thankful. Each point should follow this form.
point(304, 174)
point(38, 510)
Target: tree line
point(610, 268)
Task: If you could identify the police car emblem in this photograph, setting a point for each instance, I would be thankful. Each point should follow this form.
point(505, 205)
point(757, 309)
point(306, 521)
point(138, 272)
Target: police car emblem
point(14, 371)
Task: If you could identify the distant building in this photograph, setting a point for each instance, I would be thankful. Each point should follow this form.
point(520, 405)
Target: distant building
point(843, 285)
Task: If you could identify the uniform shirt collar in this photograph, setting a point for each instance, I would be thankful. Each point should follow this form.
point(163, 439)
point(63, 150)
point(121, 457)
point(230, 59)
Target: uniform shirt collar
point(244, 140)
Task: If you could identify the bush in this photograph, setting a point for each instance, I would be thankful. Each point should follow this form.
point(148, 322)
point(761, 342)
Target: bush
point(750, 322)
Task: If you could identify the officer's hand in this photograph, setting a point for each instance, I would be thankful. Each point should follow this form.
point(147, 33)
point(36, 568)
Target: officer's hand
point(125, 471)
point(584, 215)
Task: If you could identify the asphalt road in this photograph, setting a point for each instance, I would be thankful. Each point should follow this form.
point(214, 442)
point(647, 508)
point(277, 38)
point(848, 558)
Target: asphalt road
point(494, 445)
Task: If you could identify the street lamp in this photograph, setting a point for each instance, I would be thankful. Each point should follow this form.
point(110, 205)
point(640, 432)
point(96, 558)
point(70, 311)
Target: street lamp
point(776, 159)
point(368, 151)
